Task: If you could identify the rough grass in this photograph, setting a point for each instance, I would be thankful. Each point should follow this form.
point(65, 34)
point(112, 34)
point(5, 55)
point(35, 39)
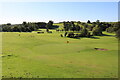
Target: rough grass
point(50, 56)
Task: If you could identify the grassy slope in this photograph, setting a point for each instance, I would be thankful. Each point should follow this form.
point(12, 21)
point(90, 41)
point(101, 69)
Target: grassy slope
point(48, 55)
point(59, 24)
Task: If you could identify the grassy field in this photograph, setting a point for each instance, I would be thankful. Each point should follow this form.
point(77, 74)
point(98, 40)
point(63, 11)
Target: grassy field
point(47, 55)
point(61, 26)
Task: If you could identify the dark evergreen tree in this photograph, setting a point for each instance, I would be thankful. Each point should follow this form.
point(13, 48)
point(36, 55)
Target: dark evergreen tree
point(88, 21)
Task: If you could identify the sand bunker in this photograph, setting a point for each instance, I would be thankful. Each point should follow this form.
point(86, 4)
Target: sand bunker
point(100, 49)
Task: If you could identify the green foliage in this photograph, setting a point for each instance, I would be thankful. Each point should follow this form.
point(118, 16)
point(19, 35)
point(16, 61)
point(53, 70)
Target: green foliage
point(111, 29)
point(88, 21)
point(71, 26)
point(88, 34)
point(90, 27)
point(66, 26)
point(49, 25)
point(78, 22)
point(8, 24)
point(24, 27)
point(118, 34)
point(84, 32)
point(97, 21)
point(71, 35)
point(24, 23)
point(85, 25)
point(77, 28)
point(97, 31)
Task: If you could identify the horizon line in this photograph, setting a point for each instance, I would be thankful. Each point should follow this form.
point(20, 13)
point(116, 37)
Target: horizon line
point(56, 22)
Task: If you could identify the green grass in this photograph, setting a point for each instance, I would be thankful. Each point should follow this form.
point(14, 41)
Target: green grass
point(49, 56)
point(61, 26)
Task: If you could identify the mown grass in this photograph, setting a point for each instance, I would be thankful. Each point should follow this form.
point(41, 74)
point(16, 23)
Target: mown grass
point(61, 26)
point(50, 56)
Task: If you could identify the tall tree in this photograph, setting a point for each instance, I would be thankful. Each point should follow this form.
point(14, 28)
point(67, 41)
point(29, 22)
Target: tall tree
point(88, 21)
point(97, 21)
point(49, 25)
point(118, 34)
point(97, 31)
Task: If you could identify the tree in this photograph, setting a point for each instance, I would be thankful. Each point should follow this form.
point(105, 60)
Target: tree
point(110, 29)
point(88, 21)
point(104, 25)
point(118, 31)
point(97, 31)
point(88, 34)
point(90, 27)
point(24, 27)
point(113, 27)
point(49, 25)
point(8, 24)
point(72, 26)
point(84, 33)
point(118, 34)
point(97, 21)
point(85, 25)
point(77, 28)
point(24, 23)
point(78, 22)
point(71, 35)
point(66, 26)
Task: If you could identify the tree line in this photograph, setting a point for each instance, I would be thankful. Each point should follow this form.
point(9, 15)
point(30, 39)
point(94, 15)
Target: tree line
point(84, 28)
point(96, 28)
point(27, 26)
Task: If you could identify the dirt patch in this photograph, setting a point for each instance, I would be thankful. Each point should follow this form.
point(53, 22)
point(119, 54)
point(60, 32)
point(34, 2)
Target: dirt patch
point(101, 49)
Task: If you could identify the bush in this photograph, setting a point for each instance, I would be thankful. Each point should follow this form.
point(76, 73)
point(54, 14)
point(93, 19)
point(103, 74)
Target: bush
point(111, 29)
point(71, 35)
point(84, 33)
point(88, 34)
point(97, 31)
point(90, 28)
point(118, 34)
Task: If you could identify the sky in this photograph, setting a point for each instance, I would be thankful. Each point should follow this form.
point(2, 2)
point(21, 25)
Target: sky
point(17, 12)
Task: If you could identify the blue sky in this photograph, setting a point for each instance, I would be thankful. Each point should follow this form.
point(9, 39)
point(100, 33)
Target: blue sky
point(17, 12)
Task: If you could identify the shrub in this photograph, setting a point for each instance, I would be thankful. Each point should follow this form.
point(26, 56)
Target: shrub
point(71, 35)
point(84, 33)
point(88, 34)
point(97, 31)
point(118, 34)
point(111, 29)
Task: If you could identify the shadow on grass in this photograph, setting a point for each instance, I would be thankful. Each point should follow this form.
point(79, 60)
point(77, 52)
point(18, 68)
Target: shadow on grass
point(94, 37)
point(75, 38)
point(86, 37)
